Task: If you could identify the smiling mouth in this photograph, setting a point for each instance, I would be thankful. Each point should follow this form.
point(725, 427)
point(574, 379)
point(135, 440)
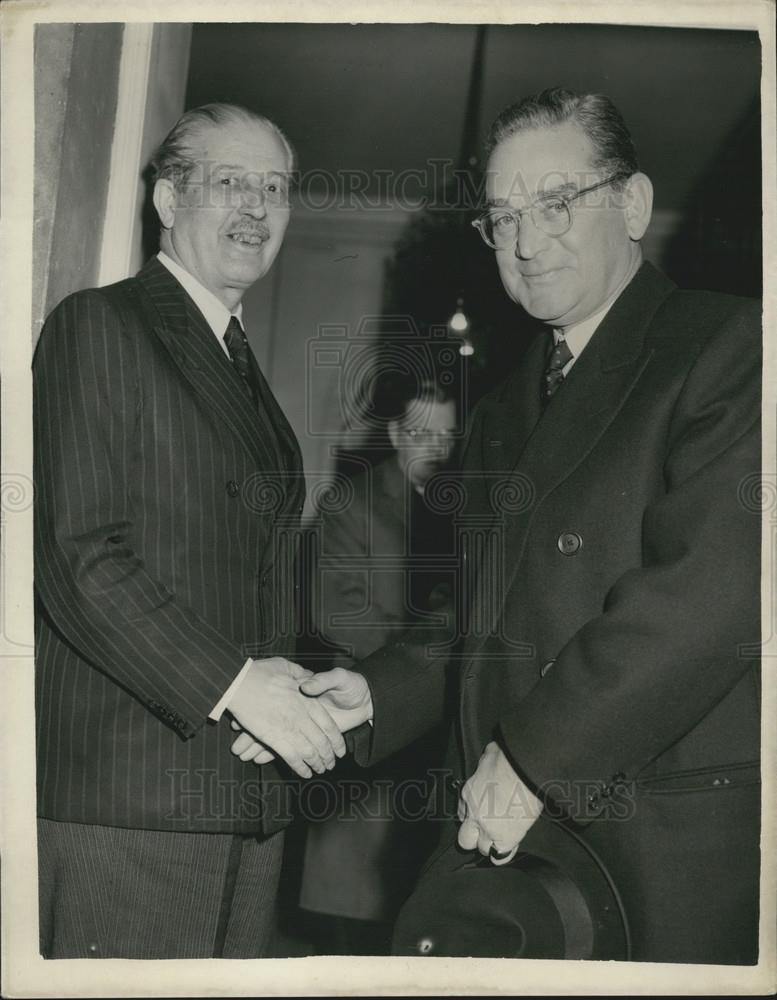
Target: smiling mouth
point(252, 240)
point(543, 276)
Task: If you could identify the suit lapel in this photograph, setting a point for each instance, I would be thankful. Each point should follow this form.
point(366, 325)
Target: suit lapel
point(547, 450)
point(288, 452)
point(188, 339)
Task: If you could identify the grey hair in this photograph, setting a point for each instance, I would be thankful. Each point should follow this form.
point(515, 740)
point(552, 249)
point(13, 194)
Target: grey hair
point(176, 156)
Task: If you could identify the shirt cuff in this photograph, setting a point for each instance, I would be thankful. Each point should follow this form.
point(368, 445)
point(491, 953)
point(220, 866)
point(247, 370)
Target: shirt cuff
point(219, 708)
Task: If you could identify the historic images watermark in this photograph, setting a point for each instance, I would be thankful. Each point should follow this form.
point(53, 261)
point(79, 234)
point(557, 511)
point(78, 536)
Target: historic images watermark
point(202, 796)
point(436, 186)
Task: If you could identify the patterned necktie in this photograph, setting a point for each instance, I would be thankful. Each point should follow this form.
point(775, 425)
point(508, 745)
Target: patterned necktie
point(237, 345)
point(554, 376)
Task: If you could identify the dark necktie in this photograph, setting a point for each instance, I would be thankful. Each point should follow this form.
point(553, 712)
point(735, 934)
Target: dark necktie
point(237, 345)
point(559, 357)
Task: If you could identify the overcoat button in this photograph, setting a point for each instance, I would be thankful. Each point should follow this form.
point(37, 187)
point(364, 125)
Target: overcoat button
point(546, 667)
point(569, 543)
point(233, 488)
point(594, 798)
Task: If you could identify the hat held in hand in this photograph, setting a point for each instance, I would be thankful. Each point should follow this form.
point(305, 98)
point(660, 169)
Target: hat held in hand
point(555, 899)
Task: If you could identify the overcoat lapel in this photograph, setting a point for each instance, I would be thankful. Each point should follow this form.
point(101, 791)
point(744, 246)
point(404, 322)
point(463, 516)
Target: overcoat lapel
point(549, 448)
point(509, 424)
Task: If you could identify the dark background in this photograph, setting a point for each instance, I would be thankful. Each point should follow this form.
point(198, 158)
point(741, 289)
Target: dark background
point(380, 98)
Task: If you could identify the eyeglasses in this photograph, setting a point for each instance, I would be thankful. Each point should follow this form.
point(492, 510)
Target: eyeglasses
point(421, 435)
point(551, 214)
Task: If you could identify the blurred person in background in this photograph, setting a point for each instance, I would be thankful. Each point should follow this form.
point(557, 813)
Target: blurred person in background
point(387, 559)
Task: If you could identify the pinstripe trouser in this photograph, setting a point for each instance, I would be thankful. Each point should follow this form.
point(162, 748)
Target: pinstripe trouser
point(109, 892)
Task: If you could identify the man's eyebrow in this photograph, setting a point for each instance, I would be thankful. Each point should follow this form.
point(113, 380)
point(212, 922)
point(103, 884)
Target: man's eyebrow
point(567, 188)
point(243, 169)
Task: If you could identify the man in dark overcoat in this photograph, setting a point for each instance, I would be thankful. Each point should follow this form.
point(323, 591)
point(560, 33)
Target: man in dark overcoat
point(608, 672)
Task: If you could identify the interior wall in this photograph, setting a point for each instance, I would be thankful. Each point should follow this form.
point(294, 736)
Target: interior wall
point(308, 322)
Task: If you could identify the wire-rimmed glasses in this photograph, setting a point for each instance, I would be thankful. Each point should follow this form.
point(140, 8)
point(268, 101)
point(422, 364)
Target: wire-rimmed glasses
point(550, 213)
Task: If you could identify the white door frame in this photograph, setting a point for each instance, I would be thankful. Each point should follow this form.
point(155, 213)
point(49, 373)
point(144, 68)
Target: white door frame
point(152, 82)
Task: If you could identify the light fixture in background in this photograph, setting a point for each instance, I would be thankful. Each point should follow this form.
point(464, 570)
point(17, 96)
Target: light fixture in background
point(459, 325)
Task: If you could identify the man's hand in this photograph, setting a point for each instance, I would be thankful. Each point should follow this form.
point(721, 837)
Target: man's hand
point(247, 748)
point(496, 809)
point(344, 693)
point(269, 706)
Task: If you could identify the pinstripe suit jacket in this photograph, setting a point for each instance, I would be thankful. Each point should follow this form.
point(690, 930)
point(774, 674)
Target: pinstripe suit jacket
point(167, 513)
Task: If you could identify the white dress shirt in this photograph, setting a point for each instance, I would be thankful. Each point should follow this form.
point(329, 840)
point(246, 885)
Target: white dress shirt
point(214, 311)
point(578, 334)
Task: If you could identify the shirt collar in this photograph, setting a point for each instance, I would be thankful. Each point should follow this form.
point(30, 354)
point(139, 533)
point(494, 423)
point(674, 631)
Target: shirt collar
point(214, 311)
point(578, 335)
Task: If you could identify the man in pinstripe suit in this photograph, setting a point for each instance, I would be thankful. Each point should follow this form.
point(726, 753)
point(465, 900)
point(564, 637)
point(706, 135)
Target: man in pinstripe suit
point(169, 489)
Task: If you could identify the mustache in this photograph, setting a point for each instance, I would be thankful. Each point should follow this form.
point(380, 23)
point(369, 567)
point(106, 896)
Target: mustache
point(260, 229)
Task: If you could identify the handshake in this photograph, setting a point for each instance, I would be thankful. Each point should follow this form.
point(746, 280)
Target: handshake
point(280, 709)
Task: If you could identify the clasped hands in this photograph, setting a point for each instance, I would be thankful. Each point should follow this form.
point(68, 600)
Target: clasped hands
point(280, 709)
point(285, 710)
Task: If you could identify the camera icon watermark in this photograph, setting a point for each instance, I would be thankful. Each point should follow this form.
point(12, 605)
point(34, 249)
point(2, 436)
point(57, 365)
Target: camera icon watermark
point(348, 368)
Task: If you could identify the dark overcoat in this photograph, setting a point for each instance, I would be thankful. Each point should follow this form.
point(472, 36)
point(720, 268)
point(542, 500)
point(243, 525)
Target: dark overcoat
point(610, 610)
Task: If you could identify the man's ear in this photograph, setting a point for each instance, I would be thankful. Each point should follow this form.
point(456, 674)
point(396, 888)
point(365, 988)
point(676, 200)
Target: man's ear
point(393, 433)
point(165, 201)
point(639, 204)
